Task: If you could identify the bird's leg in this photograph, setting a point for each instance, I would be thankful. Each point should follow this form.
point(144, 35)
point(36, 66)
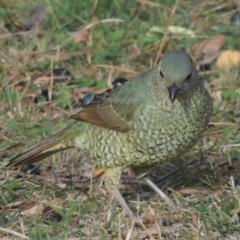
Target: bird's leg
point(141, 173)
point(112, 180)
point(123, 203)
point(167, 200)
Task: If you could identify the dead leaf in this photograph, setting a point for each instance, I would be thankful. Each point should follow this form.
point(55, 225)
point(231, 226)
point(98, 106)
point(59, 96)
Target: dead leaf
point(237, 4)
point(216, 94)
point(195, 220)
point(208, 59)
point(194, 191)
point(81, 36)
point(237, 119)
point(31, 209)
point(228, 59)
point(134, 49)
point(208, 46)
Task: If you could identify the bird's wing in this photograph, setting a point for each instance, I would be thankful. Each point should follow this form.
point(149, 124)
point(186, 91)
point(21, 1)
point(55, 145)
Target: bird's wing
point(105, 111)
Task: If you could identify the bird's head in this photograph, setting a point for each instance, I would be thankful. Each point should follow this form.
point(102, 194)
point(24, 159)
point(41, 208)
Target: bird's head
point(177, 71)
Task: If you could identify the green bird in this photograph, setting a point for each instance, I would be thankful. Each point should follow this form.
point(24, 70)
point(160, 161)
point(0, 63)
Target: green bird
point(153, 118)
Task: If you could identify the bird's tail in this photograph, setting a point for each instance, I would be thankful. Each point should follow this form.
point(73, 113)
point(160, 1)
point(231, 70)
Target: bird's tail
point(44, 149)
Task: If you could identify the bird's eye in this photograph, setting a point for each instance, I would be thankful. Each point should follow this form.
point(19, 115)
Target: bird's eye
point(189, 76)
point(161, 74)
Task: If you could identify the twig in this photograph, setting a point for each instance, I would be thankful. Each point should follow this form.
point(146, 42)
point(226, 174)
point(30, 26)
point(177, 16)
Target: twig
point(164, 39)
point(14, 233)
point(177, 170)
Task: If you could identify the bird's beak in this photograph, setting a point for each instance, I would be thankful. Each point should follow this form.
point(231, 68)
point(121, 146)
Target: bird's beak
point(173, 91)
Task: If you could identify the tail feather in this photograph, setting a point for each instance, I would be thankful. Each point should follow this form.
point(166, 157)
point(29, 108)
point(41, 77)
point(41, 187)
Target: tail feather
point(38, 152)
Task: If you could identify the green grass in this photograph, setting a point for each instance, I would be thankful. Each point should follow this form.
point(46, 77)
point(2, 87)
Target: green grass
point(209, 206)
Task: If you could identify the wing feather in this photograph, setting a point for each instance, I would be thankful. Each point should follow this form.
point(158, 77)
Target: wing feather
point(105, 112)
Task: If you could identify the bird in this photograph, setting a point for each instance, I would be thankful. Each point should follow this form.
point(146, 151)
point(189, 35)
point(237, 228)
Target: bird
point(151, 119)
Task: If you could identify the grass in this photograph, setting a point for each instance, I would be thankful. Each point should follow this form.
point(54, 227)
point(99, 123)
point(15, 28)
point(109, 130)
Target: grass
point(66, 201)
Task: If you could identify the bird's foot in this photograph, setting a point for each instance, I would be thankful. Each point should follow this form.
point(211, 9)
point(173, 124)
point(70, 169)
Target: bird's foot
point(112, 179)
